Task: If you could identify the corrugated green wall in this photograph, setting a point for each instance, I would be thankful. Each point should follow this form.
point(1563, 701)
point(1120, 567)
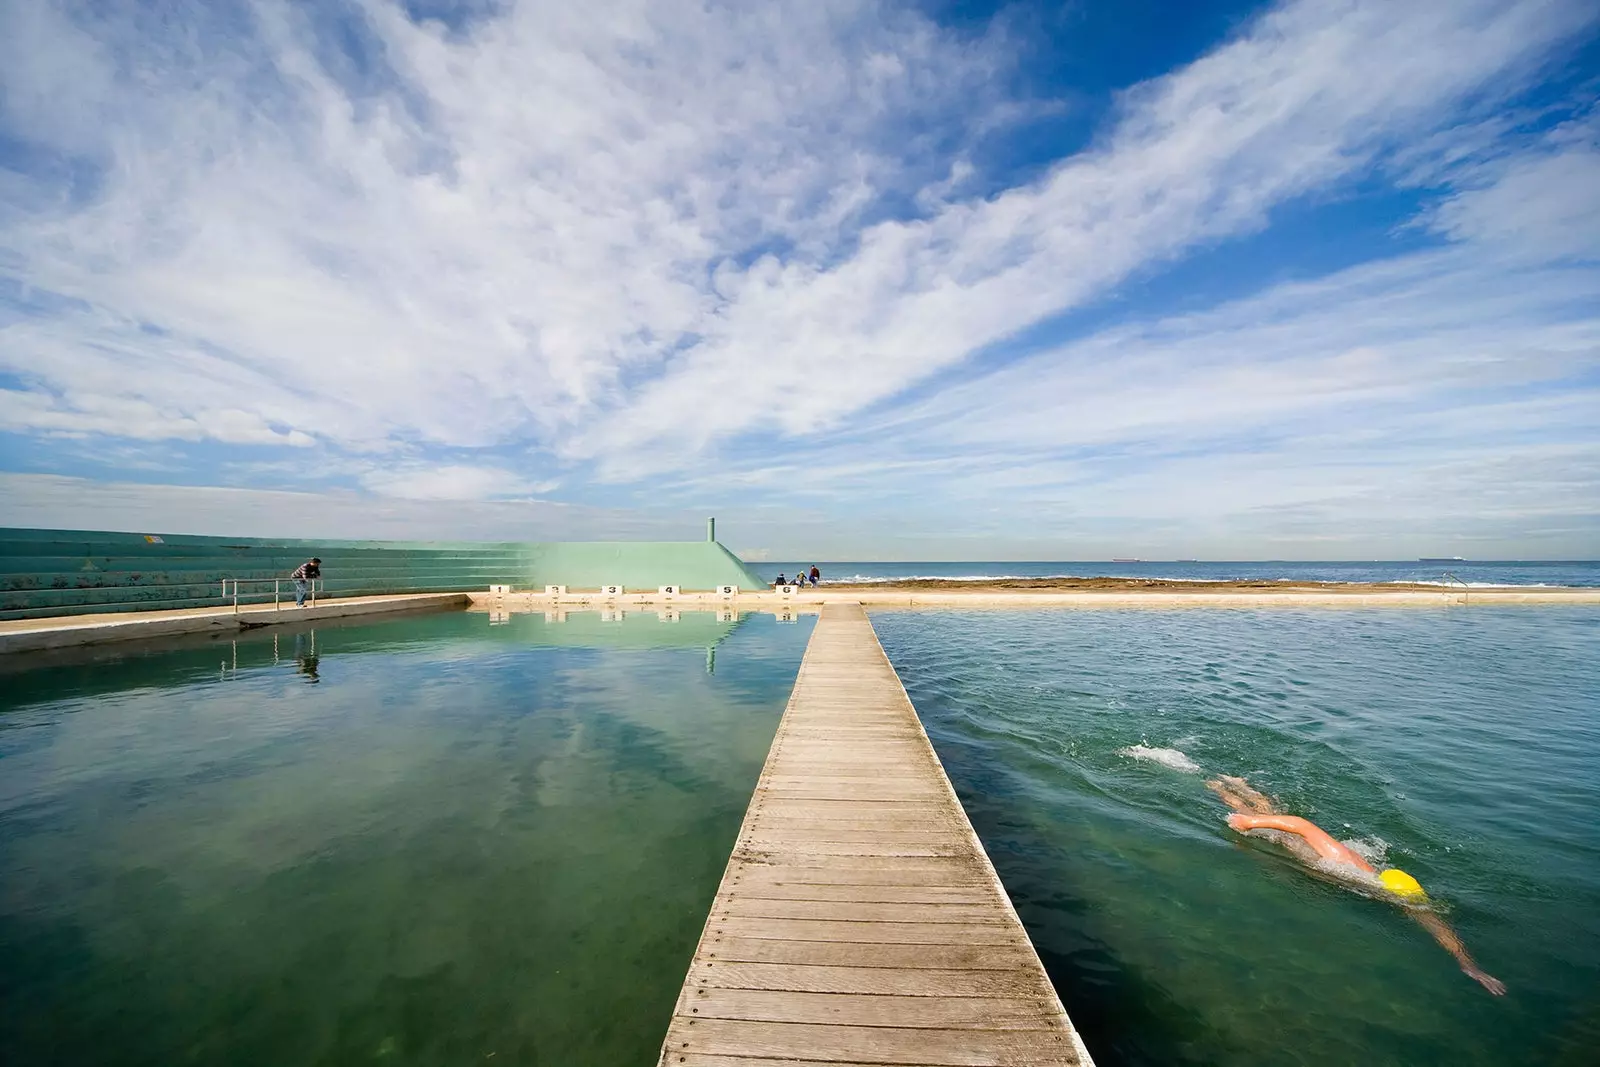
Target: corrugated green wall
point(69, 572)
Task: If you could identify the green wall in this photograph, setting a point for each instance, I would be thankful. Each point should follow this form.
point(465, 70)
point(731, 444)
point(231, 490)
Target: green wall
point(69, 572)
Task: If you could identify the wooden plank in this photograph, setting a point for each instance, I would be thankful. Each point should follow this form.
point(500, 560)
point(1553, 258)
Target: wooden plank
point(939, 870)
point(895, 981)
point(834, 832)
point(775, 819)
point(863, 894)
point(870, 932)
point(865, 809)
point(857, 954)
point(764, 907)
point(823, 847)
point(829, 870)
point(953, 1047)
point(867, 1009)
point(848, 774)
point(859, 921)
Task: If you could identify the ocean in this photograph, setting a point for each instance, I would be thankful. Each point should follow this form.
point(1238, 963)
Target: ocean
point(1477, 573)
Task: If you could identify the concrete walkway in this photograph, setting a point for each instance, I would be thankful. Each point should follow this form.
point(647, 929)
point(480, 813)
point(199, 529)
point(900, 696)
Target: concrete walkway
point(65, 631)
point(859, 920)
point(812, 599)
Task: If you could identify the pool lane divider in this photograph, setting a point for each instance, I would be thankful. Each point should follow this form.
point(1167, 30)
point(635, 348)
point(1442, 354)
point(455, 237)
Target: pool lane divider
point(859, 920)
point(68, 631)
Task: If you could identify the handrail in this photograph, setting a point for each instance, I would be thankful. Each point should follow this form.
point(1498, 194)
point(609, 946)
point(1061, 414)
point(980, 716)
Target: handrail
point(277, 583)
point(1466, 590)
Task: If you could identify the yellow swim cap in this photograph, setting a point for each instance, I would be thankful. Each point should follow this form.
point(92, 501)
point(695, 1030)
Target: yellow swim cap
point(1401, 884)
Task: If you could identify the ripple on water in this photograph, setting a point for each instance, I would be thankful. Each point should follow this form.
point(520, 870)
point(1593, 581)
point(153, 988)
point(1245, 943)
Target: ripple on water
point(1463, 746)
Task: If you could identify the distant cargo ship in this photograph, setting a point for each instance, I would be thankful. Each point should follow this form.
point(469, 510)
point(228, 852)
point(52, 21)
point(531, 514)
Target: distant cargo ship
point(1127, 560)
point(1441, 559)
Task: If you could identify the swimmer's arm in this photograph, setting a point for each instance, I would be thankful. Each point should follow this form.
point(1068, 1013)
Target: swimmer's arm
point(1314, 835)
point(1239, 796)
point(1452, 944)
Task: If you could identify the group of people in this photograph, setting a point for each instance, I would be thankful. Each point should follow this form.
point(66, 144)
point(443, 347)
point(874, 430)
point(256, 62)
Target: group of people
point(800, 578)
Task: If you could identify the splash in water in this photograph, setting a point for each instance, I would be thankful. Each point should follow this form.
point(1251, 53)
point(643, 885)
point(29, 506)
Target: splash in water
point(1374, 849)
point(1167, 757)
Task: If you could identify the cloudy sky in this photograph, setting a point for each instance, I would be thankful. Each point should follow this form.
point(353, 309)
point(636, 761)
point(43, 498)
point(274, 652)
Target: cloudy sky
point(1314, 279)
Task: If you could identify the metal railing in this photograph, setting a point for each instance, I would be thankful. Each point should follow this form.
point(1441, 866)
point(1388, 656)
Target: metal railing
point(230, 586)
point(1466, 590)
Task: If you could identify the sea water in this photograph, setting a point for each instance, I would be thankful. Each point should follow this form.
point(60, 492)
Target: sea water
point(1461, 745)
point(442, 839)
point(1472, 573)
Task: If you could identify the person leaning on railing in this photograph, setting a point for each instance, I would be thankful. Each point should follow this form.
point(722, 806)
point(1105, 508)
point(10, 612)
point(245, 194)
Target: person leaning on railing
point(303, 576)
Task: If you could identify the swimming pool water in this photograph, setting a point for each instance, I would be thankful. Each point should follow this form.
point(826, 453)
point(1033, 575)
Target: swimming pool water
point(1462, 745)
point(428, 840)
point(441, 840)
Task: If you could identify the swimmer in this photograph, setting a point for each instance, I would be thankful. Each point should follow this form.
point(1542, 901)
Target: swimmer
point(1252, 810)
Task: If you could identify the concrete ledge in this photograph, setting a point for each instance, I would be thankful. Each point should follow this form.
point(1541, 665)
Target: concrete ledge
point(812, 599)
point(30, 635)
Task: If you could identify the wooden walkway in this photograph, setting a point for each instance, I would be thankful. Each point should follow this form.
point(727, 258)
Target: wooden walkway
point(859, 920)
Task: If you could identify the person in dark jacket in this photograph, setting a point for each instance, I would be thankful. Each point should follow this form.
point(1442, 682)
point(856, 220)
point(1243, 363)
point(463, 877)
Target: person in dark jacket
point(303, 576)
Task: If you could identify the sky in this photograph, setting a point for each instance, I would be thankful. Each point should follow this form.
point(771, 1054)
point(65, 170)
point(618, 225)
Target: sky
point(1316, 279)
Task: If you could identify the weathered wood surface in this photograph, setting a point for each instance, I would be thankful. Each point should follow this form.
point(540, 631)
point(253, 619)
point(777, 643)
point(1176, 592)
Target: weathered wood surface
point(859, 920)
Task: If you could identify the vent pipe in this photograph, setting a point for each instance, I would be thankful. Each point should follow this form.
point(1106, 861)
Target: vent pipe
point(711, 529)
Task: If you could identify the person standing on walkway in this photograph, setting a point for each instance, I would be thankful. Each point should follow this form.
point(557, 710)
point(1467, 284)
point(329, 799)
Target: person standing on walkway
point(303, 576)
point(816, 576)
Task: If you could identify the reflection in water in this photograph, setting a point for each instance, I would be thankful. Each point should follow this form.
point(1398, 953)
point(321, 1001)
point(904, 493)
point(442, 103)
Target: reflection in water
point(468, 844)
point(305, 654)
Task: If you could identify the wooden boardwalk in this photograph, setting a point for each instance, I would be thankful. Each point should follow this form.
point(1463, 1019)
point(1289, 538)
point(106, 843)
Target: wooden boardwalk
point(859, 920)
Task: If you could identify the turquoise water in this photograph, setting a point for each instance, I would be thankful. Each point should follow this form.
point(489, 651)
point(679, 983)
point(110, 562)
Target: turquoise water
point(425, 841)
point(1461, 745)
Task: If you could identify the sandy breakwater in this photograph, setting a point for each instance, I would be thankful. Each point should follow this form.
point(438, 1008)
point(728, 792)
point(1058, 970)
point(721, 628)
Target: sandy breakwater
point(1073, 592)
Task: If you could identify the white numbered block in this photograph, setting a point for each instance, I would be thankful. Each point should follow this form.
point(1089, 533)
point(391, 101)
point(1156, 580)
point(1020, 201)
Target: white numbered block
point(611, 590)
point(727, 590)
point(786, 590)
point(555, 590)
point(669, 590)
point(499, 590)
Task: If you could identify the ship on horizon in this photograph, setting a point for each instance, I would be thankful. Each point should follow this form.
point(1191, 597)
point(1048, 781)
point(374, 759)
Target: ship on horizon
point(1130, 559)
point(1441, 559)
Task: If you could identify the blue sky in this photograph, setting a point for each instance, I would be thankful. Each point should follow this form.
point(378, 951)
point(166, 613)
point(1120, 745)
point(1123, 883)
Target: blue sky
point(1311, 279)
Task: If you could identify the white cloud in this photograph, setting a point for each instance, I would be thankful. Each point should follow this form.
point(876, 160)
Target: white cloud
point(476, 244)
point(1454, 389)
point(667, 243)
point(1309, 93)
point(547, 225)
point(451, 481)
point(43, 501)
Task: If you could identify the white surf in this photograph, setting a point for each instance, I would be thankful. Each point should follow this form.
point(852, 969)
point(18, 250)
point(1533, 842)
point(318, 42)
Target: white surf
point(1167, 757)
